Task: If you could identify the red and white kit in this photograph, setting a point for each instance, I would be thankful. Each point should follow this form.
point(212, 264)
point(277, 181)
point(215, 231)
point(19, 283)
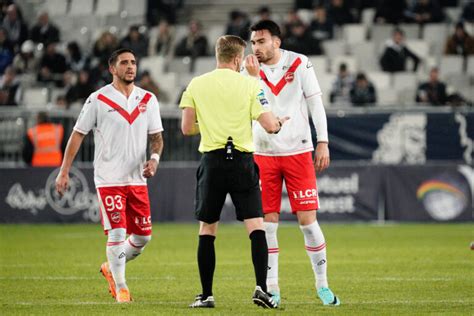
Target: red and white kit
point(121, 127)
point(291, 87)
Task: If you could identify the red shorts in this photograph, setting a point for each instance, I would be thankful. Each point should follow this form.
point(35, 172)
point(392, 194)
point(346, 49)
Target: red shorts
point(300, 178)
point(125, 207)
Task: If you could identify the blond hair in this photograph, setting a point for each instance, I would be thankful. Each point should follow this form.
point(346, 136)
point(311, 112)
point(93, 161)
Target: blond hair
point(228, 47)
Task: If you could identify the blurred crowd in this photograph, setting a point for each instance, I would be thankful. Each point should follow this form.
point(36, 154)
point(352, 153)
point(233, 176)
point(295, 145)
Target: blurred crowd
point(36, 53)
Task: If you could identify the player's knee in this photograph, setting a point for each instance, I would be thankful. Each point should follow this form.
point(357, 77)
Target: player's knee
point(273, 217)
point(117, 235)
point(140, 240)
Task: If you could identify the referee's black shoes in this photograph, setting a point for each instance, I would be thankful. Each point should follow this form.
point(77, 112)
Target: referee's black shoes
point(200, 303)
point(263, 299)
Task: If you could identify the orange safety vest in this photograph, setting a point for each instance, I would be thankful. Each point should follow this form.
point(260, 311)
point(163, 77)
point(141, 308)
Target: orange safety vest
point(46, 139)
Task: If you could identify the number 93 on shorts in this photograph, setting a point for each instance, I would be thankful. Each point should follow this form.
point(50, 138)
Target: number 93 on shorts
point(125, 207)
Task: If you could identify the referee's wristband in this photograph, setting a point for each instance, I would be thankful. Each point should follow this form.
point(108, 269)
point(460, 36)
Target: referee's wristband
point(156, 157)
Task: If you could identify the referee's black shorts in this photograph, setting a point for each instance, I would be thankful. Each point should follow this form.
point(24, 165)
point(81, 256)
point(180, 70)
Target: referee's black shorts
point(217, 176)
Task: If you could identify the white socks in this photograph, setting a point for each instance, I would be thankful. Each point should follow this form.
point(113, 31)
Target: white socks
point(316, 249)
point(119, 251)
point(116, 255)
point(273, 251)
point(134, 245)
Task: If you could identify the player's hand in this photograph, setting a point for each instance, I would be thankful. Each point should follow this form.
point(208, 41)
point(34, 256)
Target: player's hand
point(62, 182)
point(149, 169)
point(252, 65)
point(321, 161)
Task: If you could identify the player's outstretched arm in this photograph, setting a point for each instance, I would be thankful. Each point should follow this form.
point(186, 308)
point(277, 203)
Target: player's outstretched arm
point(189, 127)
point(156, 148)
point(72, 147)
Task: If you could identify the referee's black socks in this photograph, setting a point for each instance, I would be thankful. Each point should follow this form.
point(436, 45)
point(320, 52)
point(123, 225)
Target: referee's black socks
point(207, 263)
point(260, 257)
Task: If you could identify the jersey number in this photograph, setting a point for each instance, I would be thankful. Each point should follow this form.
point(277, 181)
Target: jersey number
point(113, 202)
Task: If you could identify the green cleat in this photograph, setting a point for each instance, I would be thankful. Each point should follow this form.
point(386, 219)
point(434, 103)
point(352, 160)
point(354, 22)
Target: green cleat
point(328, 297)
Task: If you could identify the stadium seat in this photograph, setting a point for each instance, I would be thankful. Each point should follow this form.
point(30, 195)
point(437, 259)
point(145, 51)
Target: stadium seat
point(81, 7)
point(81, 35)
point(179, 65)
point(204, 64)
point(470, 65)
point(367, 18)
point(350, 61)
point(387, 97)
point(406, 96)
point(213, 32)
point(381, 80)
point(168, 83)
point(412, 31)
point(381, 33)
point(404, 80)
point(154, 64)
point(325, 80)
point(452, 14)
point(35, 97)
point(419, 47)
point(365, 55)
point(451, 64)
point(55, 7)
point(354, 33)
point(180, 31)
point(334, 48)
point(320, 63)
point(107, 7)
point(305, 15)
point(436, 34)
point(135, 7)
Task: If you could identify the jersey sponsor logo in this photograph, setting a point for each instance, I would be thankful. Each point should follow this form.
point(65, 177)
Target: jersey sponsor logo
point(305, 194)
point(142, 107)
point(143, 220)
point(289, 77)
point(130, 117)
point(276, 89)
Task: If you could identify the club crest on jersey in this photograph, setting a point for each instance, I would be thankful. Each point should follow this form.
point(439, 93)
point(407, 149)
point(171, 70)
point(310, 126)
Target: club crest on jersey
point(115, 217)
point(289, 77)
point(142, 107)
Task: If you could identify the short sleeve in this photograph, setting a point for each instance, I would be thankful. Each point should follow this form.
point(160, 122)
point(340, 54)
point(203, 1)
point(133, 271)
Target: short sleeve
point(259, 103)
point(87, 119)
point(187, 100)
point(309, 81)
point(154, 117)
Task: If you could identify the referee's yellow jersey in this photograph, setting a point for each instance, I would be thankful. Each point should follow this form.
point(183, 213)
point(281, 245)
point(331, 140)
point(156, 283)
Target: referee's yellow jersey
point(226, 102)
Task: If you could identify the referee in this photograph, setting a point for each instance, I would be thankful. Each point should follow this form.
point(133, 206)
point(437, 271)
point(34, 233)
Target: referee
point(220, 105)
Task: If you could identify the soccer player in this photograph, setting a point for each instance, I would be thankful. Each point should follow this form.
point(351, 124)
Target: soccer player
point(123, 117)
point(290, 84)
point(224, 103)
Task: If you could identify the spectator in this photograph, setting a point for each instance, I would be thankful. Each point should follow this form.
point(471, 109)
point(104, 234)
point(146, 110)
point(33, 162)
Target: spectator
point(301, 41)
point(238, 25)
point(16, 29)
point(43, 31)
point(432, 91)
point(26, 62)
point(341, 87)
point(363, 91)
point(194, 44)
point(395, 55)
point(61, 102)
point(163, 42)
point(390, 12)
point(80, 91)
point(460, 43)
point(425, 11)
point(105, 45)
point(146, 82)
point(321, 27)
point(292, 18)
point(468, 12)
point(75, 60)
point(263, 14)
point(9, 87)
point(135, 41)
point(52, 66)
point(339, 13)
point(6, 50)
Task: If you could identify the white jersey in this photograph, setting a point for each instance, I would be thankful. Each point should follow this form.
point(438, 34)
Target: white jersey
point(287, 85)
point(121, 127)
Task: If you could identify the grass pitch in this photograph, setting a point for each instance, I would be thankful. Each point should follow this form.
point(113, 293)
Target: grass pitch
point(392, 269)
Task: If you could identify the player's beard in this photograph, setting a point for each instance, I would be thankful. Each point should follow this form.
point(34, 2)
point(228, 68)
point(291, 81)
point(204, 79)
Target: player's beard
point(127, 81)
point(265, 57)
